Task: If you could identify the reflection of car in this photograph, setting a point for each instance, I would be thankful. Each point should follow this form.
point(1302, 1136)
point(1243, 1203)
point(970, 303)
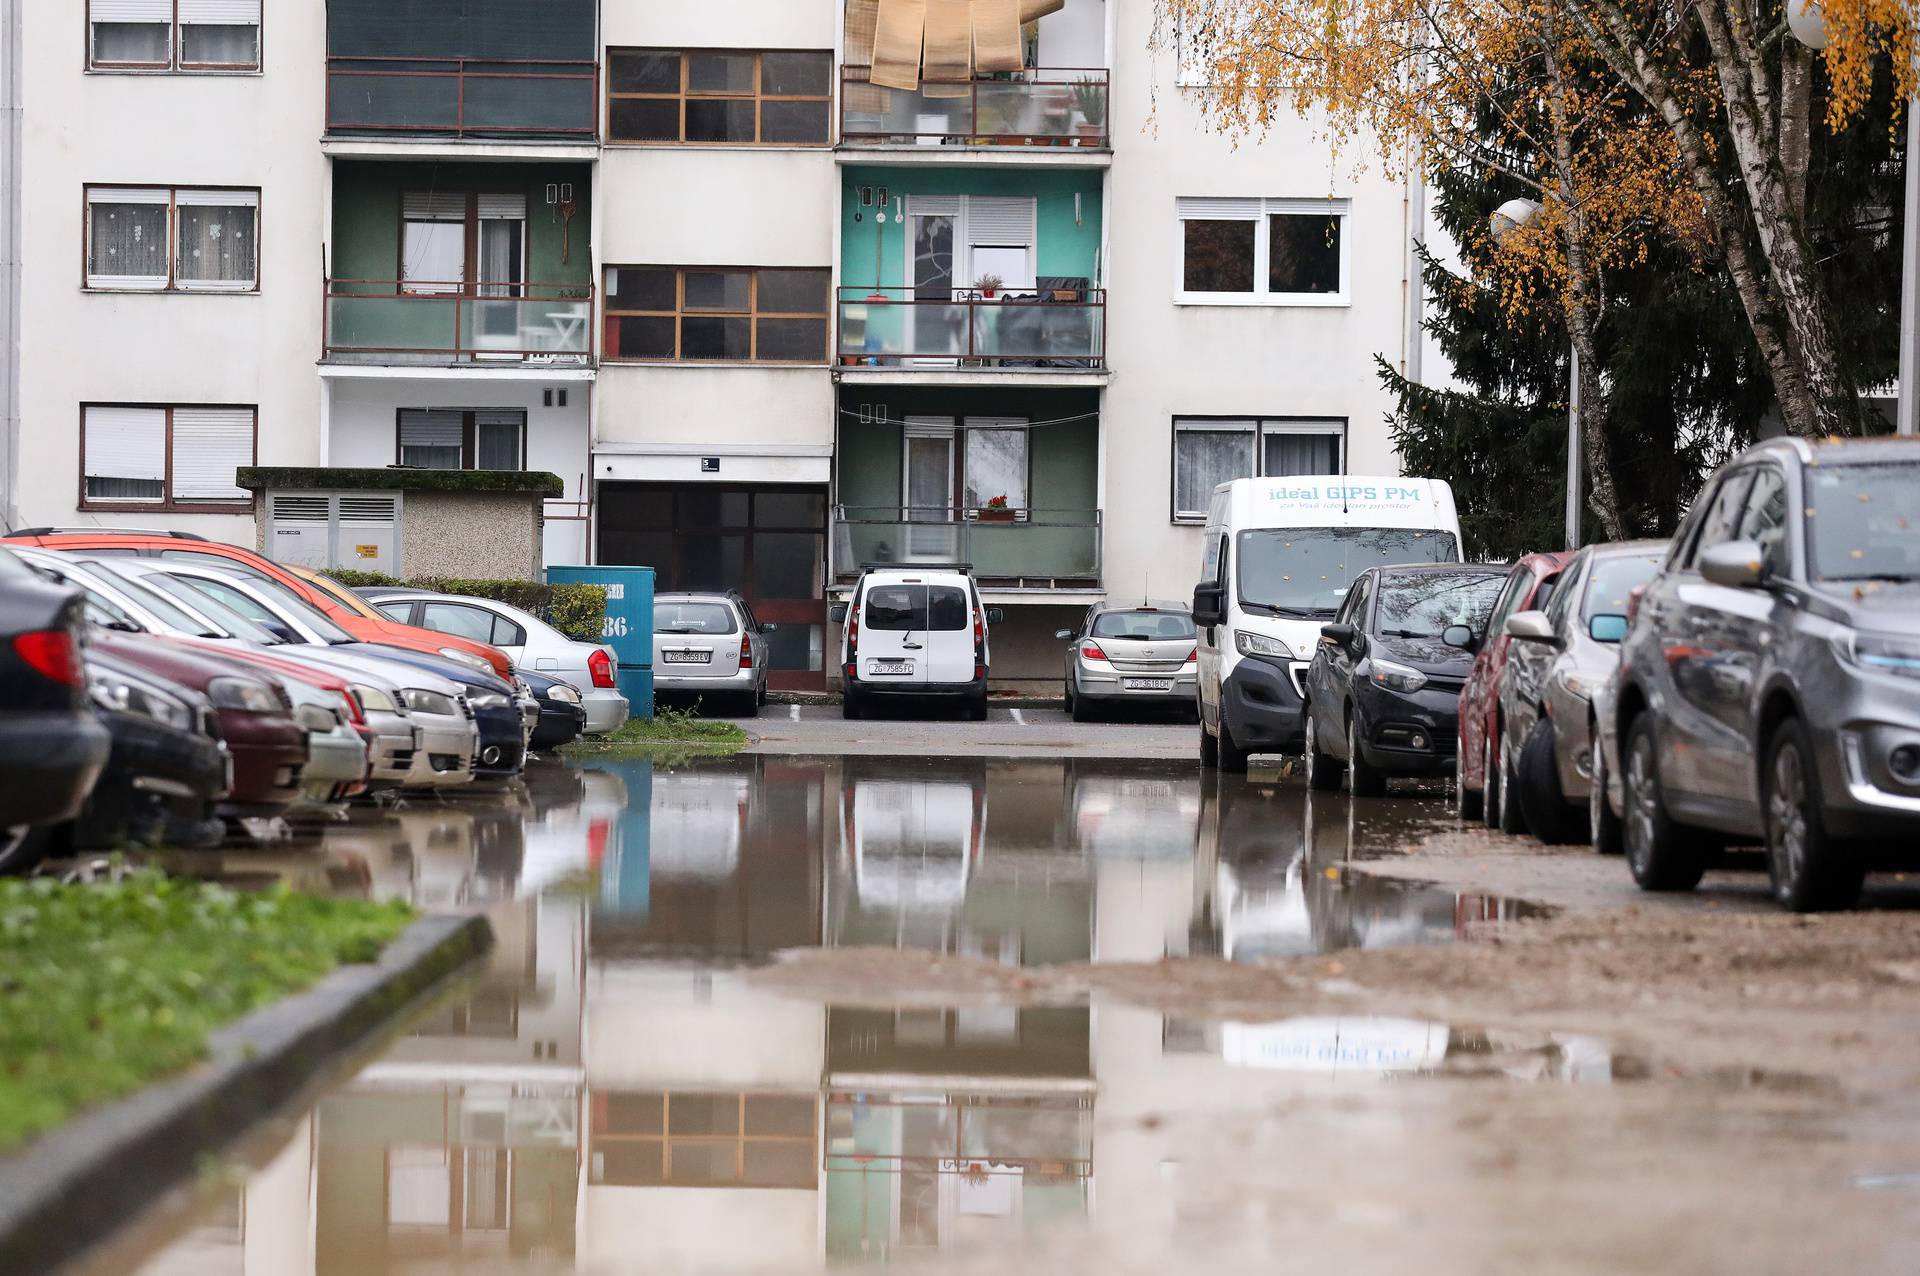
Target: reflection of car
point(1137, 655)
point(913, 632)
point(1383, 692)
point(1135, 812)
point(167, 769)
point(1770, 684)
point(51, 748)
point(1560, 659)
point(563, 715)
point(710, 644)
point(1476, 776)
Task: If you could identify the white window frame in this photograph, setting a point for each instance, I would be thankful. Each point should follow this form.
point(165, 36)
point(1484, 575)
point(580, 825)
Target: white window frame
point(171, 198)
point(1259, 211)
point(177, 422)
point(178, 16)
point(1260, 428)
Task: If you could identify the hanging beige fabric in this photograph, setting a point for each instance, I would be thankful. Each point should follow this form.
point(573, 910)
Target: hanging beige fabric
point(897, 42)
point(857, 95)
point(996, 35)
point(1032, 9)
point(949, 56)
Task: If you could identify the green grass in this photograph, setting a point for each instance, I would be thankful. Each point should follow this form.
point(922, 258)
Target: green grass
point(669, 730)
point(106, 987)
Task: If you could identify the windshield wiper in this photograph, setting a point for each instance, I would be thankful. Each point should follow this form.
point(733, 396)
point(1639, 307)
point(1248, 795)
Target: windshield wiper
point(1405, 633)
point(1296, 613)
point(1898, 578)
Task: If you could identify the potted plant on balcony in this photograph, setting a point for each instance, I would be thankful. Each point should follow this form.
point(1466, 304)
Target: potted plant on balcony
point(989, 285)
point(996, 510)
point(1090, 99)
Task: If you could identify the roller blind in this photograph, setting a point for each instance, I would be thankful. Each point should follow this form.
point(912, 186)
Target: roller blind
point(127, 195)
point(126, 443)
point(226, 13)
point(217, 198)
point(433, 206)
point(1218, 210)
point(426, 427)
point(209, 444)
point(504, 206)
point(1000, 220)
point(131, 11)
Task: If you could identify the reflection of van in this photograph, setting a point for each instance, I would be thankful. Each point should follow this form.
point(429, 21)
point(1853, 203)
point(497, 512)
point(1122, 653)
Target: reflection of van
point(1279, 555)
point(913, 843)
point(914, 632)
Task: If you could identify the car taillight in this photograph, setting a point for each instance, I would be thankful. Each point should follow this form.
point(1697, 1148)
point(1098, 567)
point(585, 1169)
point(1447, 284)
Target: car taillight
point(1092, 651)
point(1193, 655)
point(51, 654)
point(600, 668)
point(853, 643)
point(746, 652)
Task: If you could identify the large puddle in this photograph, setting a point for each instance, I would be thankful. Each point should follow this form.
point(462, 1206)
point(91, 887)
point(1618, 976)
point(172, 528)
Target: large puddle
point(615, 1092)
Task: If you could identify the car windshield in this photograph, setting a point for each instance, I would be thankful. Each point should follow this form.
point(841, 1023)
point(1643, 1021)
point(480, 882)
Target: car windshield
point(342, 595)
point(1861, 523)
point(1612, 581)
point(1427, 604)
point(193, 618)
point(1304, 571)
point(1146, 625)
point(692, 618)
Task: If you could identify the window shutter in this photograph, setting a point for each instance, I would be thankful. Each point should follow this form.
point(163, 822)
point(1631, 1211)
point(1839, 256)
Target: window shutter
point(933, 205)
point(226, 13)
point(127, 195)
point(428, 427)
point(158, 11)
point(433, 206)
point(513, 206)
point(127, 443)
point(209, 444)
point(1310, 207)
point(1000, 222)
point(217, 199)
point(1218, 210)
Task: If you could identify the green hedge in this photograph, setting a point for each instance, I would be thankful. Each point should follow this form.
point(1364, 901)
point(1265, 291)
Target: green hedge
point(578, 611)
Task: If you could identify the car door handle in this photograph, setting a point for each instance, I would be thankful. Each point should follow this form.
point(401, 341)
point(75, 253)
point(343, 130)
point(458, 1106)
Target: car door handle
point(911, 646)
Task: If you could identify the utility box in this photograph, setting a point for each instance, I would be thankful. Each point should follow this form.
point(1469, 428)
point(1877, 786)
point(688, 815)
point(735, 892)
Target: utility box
point(629, 625)
point(476, 524)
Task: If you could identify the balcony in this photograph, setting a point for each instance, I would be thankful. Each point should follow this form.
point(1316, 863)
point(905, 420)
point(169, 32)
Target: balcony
point(1047, 329)
point(376, 321)
point(1036, 549)
point(463, 97)
point(1058, 107)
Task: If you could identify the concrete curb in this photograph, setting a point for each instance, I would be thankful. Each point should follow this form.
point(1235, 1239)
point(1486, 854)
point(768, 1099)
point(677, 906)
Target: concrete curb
point(73, 1187)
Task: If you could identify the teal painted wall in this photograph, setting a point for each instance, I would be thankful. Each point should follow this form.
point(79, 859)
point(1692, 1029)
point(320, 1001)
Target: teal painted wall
point(1064, 247)
point(366, 214)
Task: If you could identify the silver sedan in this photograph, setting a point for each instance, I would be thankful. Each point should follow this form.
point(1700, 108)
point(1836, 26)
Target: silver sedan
point(1136, 654)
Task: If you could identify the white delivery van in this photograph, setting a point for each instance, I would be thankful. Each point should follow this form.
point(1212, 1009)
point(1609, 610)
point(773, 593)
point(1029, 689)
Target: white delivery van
point(914, 631)
point(1279, 555)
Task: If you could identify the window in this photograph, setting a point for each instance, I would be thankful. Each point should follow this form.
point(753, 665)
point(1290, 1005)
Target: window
point(156, 457)
point(160, 238)
point(704, 1139)
point(1209, 451)
point(1765, 518)
point(436, 229)
point(728, 97)
point(996, 464)
point(1262, 252)
point(460, 439)
point(1722, 517)
point(477, 623)
point(697, 314)
point(165, 35)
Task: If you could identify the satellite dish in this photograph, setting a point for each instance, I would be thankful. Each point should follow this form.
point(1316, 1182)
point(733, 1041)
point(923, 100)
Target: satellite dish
point(1808, 24)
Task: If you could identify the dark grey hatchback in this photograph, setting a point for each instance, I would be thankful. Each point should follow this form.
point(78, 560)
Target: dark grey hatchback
point(1769, 688)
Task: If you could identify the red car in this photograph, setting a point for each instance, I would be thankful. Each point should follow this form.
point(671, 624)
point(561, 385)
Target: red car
point(1477, 792)
point(269, 746)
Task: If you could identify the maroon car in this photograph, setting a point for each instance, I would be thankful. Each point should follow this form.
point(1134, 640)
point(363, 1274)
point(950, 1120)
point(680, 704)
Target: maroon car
point(269, 746)
point(1476, 783)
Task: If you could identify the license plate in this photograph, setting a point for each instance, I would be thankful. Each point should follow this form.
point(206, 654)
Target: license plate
point(890, 666)
point(1147, 684)
point(686, 657)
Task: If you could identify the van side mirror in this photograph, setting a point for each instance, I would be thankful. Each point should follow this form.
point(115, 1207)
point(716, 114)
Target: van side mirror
point(837, 613)
point(1735, 564)
point(995, 615)
point(1209, 604)
point(1461, 636)
point(1607, 628)
point(1531, 626)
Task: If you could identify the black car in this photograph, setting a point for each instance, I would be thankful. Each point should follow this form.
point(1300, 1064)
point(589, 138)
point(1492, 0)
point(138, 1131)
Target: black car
point(167, 770)
point(1383, 691)
point(51, 746)
point(562, 716)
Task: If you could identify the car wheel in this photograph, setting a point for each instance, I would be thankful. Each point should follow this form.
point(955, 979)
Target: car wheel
point(1323, 772)
point(1508, 817)
point(1552, 818)
point(1209, 749)
point(1489, 784)
point(1466, 802)
point(1810, 871)
point(1066, 693)
point(1232, 757)
point(1661, 855)
point(850, 706)
point(22, 847)
point(1079, 709)
point(1603, 825)
point(761, 696)
point(1363, 778)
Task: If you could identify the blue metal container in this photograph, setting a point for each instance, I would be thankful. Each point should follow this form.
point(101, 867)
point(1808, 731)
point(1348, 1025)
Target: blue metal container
point(629, 627)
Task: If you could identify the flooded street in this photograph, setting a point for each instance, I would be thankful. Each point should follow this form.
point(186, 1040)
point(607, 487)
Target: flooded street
point(634, 1082)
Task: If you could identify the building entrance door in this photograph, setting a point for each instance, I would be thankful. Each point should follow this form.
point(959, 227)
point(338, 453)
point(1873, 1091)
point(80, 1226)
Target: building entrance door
point(769, 542)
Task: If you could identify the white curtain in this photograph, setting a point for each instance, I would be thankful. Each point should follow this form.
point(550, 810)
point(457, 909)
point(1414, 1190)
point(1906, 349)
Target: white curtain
point(996, 465)
point(216, 232)
point(496, 440)
point(127, 238)
point(1300, 454)
point(1204, 459)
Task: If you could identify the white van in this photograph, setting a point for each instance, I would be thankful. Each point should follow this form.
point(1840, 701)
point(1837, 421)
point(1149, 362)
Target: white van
point(1279, 555)
point(914, 631)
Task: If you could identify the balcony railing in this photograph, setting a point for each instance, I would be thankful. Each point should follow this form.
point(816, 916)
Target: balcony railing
point(1040, 106)
point(387, 321)
point(1015, 548)
point(1023, 328)
point(464, 97)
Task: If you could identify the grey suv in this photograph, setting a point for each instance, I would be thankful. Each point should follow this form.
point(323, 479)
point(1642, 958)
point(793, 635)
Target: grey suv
point(1769, 687)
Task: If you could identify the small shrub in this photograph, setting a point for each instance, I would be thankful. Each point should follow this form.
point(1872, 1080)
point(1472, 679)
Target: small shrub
point(578, 611)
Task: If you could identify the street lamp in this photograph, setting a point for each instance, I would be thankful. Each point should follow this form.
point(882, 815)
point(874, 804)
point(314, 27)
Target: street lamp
point(1809, 26)
point(1506, 219)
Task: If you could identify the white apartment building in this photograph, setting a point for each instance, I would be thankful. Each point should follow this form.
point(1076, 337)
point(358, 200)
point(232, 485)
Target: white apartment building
point(766, 319)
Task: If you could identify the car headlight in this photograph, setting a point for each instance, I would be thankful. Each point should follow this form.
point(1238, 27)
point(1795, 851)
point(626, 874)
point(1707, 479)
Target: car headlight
point(1879, 653)
point(1394, 677)
point(563, 693)
point(478, 699)
point(316, 718)
point(465, 657)
point(1249, 644)
point(374, 700)
point(243, 694)
point(126, 698)
point(430, 702)
point(1581, 685)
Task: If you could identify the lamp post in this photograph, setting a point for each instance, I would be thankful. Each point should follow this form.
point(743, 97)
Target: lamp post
point(1809, 26)
point(1506, 219)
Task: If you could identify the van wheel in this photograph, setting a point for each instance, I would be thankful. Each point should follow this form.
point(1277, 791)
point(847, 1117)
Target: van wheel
point(1810, 870)
point(1209, 749)
point(1552, 818)
point(1232, 757)
point(1602, 824)
point(850, 706)
point(977, 706)
point(1661, 854)
point(1323, 771)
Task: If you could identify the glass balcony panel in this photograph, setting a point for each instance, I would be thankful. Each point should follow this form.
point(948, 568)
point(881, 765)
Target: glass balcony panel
point(890, 327)
point(367, 322)
point(462, 97)
point(510, 103)
point(1033, 545)
point(1038, 106)
point(392, 99)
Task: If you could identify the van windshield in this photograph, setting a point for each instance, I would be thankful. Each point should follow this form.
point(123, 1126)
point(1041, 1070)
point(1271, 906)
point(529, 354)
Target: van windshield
point(912, 607)
point(1304, 571)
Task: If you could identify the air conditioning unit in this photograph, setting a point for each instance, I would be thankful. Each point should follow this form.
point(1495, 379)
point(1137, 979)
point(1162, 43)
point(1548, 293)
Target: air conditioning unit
point(335, 529)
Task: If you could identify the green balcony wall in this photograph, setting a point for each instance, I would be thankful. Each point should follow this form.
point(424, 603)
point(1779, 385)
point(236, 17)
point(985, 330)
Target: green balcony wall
point(1064, 247)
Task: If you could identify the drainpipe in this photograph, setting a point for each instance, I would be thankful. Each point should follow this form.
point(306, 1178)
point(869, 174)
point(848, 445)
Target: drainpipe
point(10, 101)
point(1415, 280)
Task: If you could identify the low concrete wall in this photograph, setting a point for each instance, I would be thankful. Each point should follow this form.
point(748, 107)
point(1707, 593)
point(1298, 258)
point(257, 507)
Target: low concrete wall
point(1026, 655)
